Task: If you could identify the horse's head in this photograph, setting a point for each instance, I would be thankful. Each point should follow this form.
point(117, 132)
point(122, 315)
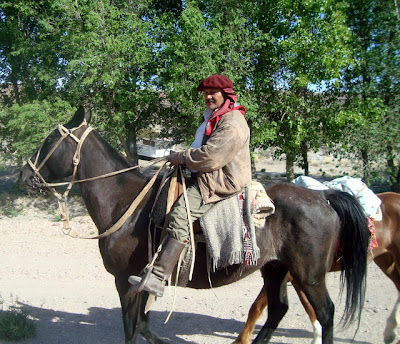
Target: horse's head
point(55, 157)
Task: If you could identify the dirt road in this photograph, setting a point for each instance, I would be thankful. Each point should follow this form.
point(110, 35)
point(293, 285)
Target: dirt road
point(62, 283)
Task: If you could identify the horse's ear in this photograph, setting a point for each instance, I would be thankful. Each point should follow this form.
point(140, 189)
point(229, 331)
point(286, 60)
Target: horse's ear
point(88, 115)
point(79, 117)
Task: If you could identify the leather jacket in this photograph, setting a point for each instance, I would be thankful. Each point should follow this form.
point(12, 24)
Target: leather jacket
point(223, 161)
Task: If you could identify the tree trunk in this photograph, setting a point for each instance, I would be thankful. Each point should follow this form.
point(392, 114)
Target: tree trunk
point(394, 172)
point(290, 159)
point(395, 187)
point(253, 168)
point(366, 169)
point(131, 145)
point(16, 93)
point(304, 153)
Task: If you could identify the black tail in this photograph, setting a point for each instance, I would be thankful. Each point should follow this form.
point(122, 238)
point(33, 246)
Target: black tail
point(354, 239)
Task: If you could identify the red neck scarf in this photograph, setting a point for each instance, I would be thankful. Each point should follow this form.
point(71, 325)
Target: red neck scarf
point(228, 106)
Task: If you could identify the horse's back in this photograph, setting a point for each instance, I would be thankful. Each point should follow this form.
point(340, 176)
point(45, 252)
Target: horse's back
point(291, 192)
point(297, 202)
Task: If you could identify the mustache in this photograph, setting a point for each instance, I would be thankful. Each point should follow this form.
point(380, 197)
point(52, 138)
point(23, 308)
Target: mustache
point(210, 101)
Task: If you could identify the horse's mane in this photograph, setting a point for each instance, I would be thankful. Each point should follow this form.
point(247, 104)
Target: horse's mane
point(114, 154)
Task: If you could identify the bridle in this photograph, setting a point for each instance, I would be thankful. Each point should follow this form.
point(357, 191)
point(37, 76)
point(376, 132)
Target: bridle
point(64, 132)
point(40, 182)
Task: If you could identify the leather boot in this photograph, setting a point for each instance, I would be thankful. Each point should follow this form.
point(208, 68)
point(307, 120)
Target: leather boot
point(153, 280)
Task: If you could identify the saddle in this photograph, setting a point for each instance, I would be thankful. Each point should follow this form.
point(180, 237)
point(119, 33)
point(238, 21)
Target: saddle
point(171, 189)
point(261, 206)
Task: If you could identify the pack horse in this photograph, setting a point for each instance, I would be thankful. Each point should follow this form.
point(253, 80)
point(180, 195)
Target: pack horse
point(300, 237)
point(386, 255)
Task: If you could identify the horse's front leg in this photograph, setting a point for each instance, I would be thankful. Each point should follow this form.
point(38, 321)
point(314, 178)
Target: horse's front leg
point(130, 307)
point(135, 320)
point(255, 312)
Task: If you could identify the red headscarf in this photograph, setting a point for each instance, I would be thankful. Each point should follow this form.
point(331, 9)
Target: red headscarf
point(229, 105)
point(226, 85)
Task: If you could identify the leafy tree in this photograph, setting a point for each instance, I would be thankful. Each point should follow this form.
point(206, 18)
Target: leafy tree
point(25, 126)
point(29, 46)
point(304, 45)
point(371, 85)
point(29, 71)
point(110, 64)
point(102, 55)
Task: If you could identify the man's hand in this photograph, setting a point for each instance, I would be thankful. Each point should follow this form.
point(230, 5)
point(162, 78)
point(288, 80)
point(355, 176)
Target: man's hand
point(174, 159)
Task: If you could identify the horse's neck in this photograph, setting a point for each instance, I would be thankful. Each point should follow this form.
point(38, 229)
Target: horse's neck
point(106, 198)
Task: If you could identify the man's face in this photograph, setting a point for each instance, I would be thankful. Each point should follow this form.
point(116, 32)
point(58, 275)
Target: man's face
point(213, 98)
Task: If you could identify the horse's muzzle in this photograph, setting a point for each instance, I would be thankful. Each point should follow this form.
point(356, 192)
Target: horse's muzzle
point(28, 180)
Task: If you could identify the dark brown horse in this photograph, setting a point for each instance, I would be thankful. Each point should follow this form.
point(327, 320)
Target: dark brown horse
point(299, 237)
point(386, 256)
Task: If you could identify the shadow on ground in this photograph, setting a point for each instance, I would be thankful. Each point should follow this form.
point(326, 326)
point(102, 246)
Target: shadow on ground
point(102, 325)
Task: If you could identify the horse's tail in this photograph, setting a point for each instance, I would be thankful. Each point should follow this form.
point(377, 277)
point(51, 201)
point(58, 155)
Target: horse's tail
point(353, 243)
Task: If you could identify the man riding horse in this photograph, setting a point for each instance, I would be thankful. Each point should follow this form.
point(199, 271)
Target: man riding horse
point(219, 161)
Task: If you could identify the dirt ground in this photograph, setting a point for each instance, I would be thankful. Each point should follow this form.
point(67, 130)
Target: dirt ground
point(63, 285)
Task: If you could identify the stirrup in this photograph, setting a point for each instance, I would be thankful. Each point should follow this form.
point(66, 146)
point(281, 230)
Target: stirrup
point(138, 282)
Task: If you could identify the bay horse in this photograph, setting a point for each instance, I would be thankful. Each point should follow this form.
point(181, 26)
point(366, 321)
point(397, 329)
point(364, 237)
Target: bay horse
point(299, 237)
point(386, 255)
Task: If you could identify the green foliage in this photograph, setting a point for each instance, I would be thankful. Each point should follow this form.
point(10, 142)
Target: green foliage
point(371, 85)
point(10, 210)
point(30, 62)
point(15, 325)
point(310, 73)
point(303, 51)
point(25, 126)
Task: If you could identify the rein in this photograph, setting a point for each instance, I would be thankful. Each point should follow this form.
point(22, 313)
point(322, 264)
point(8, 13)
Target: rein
point(62, 199)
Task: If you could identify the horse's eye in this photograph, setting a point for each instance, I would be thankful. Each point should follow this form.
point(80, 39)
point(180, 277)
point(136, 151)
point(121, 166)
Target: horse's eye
point(51, 138)
point(48, 141)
